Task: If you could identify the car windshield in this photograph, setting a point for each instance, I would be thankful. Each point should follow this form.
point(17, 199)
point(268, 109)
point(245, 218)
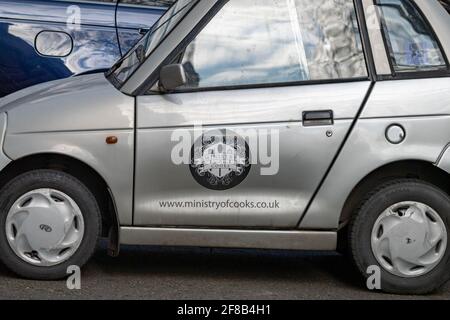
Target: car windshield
point(126, 66)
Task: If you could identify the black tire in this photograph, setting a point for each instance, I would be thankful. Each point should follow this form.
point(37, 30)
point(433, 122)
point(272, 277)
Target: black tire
point(362, 224)
point(78, 192)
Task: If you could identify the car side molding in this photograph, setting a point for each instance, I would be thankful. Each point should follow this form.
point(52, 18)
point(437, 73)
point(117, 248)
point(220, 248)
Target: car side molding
point(222, 238)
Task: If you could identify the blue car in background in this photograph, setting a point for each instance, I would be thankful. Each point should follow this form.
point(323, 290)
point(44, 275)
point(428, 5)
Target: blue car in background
point(44, 40)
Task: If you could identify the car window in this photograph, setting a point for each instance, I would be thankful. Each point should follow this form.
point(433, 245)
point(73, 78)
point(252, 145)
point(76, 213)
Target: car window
point(253, 42)
point(125, 67)
point(410, 40)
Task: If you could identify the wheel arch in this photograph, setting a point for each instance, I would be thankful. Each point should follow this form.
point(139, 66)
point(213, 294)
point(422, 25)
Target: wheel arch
point(83, 172)
point(417, 169)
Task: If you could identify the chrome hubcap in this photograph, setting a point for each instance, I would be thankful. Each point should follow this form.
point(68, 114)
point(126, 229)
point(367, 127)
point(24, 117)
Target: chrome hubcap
point(409, 239)
point(44, 227)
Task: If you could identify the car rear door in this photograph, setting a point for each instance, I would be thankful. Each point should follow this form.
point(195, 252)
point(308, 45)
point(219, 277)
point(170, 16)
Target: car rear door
point(267, 105)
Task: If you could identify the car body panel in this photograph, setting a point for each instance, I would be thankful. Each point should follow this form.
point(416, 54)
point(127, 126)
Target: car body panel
point(406, 98)
point(444, 159)
point(158, 179)
point(41, 109)
point(391, 102)
point(221, 238)
point(59, 118)
point(286, 105)
point(4, 160)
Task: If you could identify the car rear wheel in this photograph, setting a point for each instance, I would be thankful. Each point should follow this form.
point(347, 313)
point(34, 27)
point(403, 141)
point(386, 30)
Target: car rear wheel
point(403, 228)
point(49, 221)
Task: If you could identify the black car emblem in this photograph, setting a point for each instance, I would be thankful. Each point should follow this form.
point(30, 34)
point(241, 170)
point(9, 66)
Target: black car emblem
point(45, 228)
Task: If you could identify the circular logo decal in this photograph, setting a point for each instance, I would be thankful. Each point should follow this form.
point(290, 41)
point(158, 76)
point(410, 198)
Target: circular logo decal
point(220, 160)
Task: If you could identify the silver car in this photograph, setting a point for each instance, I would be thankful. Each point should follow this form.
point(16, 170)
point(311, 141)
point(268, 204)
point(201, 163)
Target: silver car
point(296, 125)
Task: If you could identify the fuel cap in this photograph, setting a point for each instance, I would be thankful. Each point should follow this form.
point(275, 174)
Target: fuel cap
point(395, 134)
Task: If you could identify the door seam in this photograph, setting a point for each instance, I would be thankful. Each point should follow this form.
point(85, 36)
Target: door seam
point(338, 153)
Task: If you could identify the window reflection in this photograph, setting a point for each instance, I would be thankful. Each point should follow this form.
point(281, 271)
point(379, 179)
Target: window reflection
point(123, 69)
point(411, 44)
point(276, 41)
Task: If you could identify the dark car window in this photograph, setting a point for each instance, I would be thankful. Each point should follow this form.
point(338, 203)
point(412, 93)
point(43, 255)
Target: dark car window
point(411, 43)
point(255, 42)
point(445, 4)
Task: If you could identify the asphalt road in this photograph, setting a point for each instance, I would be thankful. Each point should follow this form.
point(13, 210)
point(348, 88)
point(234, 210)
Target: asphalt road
point(186, 273)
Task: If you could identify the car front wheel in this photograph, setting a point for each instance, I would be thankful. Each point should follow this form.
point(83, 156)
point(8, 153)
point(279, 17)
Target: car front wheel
point(403, 228)
point(49, 221)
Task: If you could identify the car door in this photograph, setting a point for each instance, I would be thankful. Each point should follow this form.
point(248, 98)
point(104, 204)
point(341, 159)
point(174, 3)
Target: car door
point(267, 104)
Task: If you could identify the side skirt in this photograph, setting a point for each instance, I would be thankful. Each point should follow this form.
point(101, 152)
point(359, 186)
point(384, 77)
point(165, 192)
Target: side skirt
point(221, 238)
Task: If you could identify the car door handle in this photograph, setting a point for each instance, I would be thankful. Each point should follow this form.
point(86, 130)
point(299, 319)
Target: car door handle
point(318, 118)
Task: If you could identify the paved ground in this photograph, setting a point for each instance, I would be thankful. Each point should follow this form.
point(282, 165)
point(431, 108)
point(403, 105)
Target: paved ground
point(181, 273)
